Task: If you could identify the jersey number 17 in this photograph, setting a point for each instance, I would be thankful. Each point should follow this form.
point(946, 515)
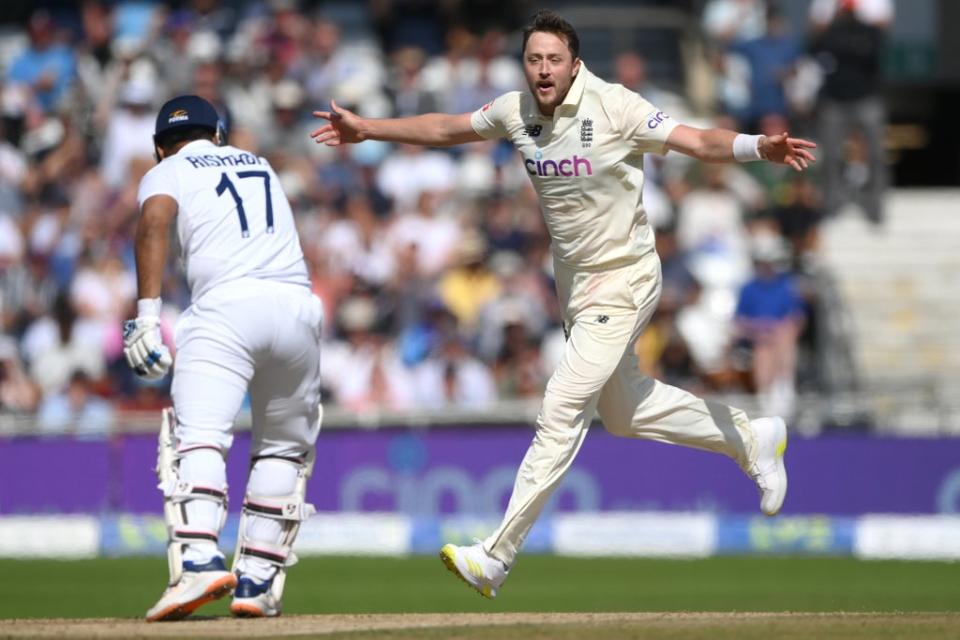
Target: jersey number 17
point(226, 185)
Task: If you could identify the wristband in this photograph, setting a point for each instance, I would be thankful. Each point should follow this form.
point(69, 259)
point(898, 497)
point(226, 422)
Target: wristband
point(148, 307)
point(746, 148)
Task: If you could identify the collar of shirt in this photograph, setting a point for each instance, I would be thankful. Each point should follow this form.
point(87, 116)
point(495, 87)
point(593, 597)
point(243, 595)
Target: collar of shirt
point(196, 144)
point(572, 100)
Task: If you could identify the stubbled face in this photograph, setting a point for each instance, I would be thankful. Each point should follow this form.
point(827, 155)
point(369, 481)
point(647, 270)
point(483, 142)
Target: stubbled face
point(550, 69)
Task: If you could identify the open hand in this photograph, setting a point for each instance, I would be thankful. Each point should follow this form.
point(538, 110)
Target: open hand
point(343, 126)
point(782, 149)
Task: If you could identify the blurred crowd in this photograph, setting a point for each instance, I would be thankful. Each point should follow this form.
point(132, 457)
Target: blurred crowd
point(434, 265)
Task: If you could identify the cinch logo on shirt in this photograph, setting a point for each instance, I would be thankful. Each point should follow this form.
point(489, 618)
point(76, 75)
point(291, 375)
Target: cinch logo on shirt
point(655, 121)
point(568, 167)
point(178, 116)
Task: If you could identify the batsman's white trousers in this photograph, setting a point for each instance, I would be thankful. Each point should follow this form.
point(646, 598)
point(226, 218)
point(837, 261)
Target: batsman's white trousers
point(254, 335)
point(604, 313)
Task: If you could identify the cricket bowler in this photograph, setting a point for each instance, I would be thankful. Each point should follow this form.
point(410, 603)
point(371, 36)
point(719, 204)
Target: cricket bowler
point(582, 142)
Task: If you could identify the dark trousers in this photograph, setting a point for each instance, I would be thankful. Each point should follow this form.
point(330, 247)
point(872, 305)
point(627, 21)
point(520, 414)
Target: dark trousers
point(837, 120)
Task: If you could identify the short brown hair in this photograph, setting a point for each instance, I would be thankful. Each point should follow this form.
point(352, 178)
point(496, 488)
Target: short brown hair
point(550, 22)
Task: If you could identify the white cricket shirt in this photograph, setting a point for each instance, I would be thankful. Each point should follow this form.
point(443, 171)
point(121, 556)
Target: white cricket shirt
point(234, 220)
point(586, 163)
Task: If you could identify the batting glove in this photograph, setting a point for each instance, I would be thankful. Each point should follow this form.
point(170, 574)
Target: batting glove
point(142, 345)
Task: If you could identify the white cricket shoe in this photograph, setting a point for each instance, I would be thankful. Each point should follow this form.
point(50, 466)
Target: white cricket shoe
point(198, 585)
point(253, 599)
point(475, 567)
point(767, 468)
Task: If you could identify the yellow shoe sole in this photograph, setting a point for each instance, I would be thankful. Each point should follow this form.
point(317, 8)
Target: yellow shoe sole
point(448, 555)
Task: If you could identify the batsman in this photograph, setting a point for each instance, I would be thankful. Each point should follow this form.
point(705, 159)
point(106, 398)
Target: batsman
point(253, 325)
point(582, 141)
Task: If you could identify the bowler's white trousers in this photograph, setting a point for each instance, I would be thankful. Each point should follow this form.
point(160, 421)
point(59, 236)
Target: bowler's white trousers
point(604, 313)
point(246, 335)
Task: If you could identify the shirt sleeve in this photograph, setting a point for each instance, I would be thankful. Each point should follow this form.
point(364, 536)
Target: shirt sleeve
point(644, 126)
point(489, 121)
point(161, 180)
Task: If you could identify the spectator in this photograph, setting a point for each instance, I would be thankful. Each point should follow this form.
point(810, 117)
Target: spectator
point(518, 302)
point(405, 175)
point(18, 393)
point(454, 378)
point(519, 368)
point(406, 85)
point(358, 243)
point(850, 52)
point(365, 371)
point(630, 70)
point(76, 410)
point(47, 66)
point(435, 235)
point(728, 21)
point(772, 58)
point(711, 231)
point(328, 69)
point(129, 132)
point(469, 285)
point(798, 218)
point(878, 13)
point(769, 318)
point(58, 345)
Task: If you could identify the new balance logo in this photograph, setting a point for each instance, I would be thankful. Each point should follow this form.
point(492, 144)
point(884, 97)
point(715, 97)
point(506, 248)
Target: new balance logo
point(533, 130)
point(603, 319)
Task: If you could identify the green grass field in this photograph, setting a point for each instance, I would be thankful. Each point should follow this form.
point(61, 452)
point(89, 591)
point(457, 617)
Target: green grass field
point(125, 588)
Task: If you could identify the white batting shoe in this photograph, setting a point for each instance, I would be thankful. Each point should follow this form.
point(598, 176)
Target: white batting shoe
point(767, 468)
point(475, 567)
point(253, 599)
point(198, 585)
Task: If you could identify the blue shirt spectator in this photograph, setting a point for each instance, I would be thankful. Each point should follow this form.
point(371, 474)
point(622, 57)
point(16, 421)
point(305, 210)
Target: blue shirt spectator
point(771, 58)
point(769, 299)
point(47, 67)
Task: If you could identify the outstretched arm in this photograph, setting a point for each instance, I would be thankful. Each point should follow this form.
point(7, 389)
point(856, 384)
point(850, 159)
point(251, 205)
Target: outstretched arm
point(717, 145)
point(431, 129)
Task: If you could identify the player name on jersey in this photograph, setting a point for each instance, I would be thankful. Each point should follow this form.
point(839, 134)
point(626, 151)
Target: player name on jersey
point(211, 160)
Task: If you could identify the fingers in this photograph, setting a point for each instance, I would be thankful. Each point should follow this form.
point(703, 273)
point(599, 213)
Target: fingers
point(327, 134)
point(801, 143)
point(322, 130)
point(329, 137)
point(128, 355)
point(166, 360)
point(322, 114)
point(806, 155)
point(149, 361)
point(334, 107)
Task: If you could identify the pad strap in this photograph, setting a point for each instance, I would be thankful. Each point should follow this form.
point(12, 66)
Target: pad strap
point(191, 535)
point(291, 507)
point(278, 555)
point(182, 491)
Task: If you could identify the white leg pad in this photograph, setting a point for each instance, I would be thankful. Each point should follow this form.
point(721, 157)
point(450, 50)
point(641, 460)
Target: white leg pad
point(178, 493)
point(269, 523)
